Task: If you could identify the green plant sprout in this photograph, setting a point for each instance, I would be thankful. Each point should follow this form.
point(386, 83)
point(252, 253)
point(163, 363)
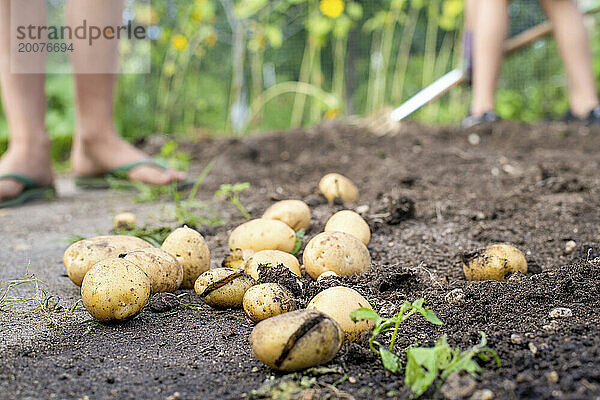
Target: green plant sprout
point(154, 236)
point(231, 193)
point(299, 239)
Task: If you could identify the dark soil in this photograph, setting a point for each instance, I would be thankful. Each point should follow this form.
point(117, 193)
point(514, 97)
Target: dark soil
point(430, 196)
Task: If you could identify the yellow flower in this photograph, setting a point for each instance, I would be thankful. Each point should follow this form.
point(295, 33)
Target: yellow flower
point(332, 114)
point(197, 16)
point(332, 8)
point(180, 42)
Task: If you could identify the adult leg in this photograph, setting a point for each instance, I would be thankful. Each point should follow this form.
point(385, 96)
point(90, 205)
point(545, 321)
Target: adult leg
point(489, 31)
point(573, 44)
point(97, 147)
point(24, 104)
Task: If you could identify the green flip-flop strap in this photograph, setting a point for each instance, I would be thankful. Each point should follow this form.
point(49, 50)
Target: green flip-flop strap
point(26, 181)
point(122, 172)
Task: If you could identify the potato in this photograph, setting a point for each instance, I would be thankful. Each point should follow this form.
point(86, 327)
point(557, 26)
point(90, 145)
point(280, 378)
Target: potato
point(164, 271)
point(295, 213)
point(124, 220)
point(338, 186)
point(272, 258)
point(339, 252)
point(263, 234)
point(350, 222)
point(267, 300)
point(223, 287)
point(115, 289)
point(81, 256)
point(497, 262)
point(190, 250)
point(237, 258)
point(327, 275)
point(338, 302)
point(296, 340)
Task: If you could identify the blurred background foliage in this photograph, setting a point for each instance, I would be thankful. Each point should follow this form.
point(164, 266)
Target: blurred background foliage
point(222, 67)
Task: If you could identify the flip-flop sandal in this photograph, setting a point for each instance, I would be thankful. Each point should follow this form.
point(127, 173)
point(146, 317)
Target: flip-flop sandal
point(118, 178)
point(31, 191)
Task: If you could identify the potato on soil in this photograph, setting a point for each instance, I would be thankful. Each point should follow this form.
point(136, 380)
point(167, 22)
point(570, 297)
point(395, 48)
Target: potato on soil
point(124, 220)
point(271, 258)
point(237, 258)
point(114, 290)
point(339, 252)
point(350, 222)
point(296, 340)
point(164, 271)
point(267, 300)
point(82, 255)
point(338, 186)
point(497, 262)
point(223, 287)
point(295, 213)
point(263, 234)
point(191, 251)
point(338, 302)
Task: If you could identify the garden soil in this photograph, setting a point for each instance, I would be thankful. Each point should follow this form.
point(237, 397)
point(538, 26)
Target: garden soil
point(429, 194)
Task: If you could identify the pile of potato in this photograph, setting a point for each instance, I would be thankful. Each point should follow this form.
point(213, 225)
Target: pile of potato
point(117, 275)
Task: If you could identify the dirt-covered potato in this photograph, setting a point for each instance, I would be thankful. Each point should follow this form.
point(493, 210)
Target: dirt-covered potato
point(497, 262)
point(191, 251)
point(295, 213)
point(350, 222)
point(115, 289)
point(164, 271)
point(296, 340)
point(237, 258)
point(338, 302)
point(82, 255)
point(271, 258)
point(124, 220)
point(263, 234)
point(267, 300)
point(338, 186)
point(339, 252)
point(223, 287)
point(327, 275)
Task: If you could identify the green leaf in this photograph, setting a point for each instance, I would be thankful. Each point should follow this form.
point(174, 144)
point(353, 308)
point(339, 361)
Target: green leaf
point(421, 369)
point(389, 359)
point(299, 239)
point(363, 313)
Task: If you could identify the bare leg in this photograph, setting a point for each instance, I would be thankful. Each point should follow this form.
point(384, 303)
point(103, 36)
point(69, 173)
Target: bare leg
point(24, 104)
point(572, 40)
point(97, 147)
point(489, 30)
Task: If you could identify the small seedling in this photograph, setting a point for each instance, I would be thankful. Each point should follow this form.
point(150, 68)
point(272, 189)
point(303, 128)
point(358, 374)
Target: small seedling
point(231, 193)
point(154, 236)
point(299, 240)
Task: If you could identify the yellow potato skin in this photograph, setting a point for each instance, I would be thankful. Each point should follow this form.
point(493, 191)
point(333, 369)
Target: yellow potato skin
point(223, 287)
point(237, 258)
point(164, 271)
point(336, 185)
point(191, 251)
point(272, 258)
point(82, 255)
point(338, 302)
point(294, 213)
point(497, 262)
point(267, 300)
point(339, 252)
point(349, 222)
point(115, 290)
point(263, 234)
point(316, 346)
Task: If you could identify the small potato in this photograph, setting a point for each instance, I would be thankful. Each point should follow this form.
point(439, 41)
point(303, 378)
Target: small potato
point(124, 220)
point(338, 302)
point(263, 234)
point(497, 262)
point(350, 222)
point(267, 300)
point(191, 251)
point(327, 275)
point(296, 340)
point(237, 258)
point(338, 186)
point(295, 213)
point(115, 289)
point(339, 252)
point(163, 269)
point(272, 258)
point(81, 256)
point(223, 287)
